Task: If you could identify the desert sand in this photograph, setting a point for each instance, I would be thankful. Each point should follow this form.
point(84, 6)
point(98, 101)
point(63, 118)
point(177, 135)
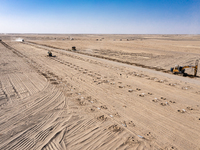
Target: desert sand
point(113, 92)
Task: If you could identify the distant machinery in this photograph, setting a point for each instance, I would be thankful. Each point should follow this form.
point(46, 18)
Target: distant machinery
point(73, 48)
point(181, 69)
point(49, 53)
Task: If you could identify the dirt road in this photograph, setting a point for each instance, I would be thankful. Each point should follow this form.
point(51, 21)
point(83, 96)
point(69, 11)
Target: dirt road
point(74, 101)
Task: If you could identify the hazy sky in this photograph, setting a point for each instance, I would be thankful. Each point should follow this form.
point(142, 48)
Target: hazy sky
point(100, 16)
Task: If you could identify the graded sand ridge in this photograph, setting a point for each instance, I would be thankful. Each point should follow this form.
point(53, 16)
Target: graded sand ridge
point(82, 100)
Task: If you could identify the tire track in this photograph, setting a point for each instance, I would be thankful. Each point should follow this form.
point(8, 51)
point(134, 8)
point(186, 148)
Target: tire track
point(88, 132)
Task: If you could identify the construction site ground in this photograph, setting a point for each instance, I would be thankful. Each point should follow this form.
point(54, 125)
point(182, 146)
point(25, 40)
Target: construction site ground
point(113, 92)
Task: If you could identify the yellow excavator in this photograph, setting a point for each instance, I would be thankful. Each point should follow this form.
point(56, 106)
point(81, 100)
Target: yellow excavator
point(181, 69)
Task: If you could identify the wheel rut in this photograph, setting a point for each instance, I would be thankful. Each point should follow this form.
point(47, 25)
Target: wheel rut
point(69, 106)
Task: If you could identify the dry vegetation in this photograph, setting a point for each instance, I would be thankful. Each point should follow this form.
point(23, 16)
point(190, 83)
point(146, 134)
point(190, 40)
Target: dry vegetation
point(113, 92)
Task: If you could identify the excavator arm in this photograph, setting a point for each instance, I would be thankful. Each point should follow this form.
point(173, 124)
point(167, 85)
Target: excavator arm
point(195, 67)
point(184, 67)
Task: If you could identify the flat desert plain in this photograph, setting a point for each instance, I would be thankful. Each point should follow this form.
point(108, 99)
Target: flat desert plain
point(112, 92)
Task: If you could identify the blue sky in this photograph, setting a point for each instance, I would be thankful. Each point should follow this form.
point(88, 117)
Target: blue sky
point(100, 16)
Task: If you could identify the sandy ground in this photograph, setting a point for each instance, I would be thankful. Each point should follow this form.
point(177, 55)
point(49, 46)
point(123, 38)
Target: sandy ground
point(83, 100)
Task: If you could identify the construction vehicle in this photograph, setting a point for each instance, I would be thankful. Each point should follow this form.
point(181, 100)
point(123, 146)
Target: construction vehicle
point(181, 69)
point(74, 48)
point(49, 53)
